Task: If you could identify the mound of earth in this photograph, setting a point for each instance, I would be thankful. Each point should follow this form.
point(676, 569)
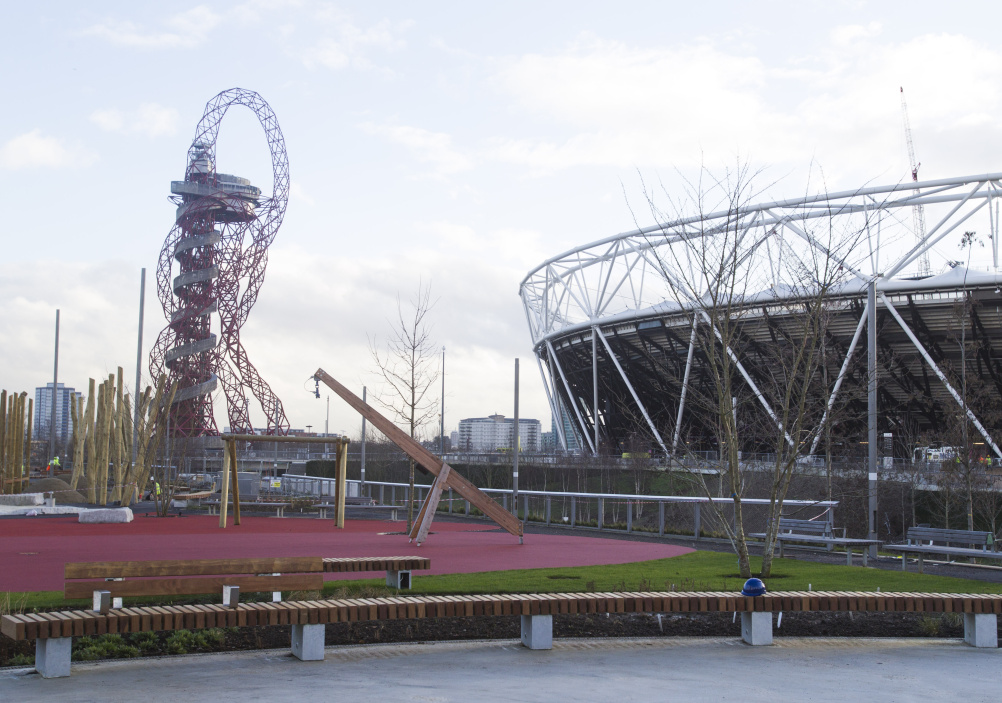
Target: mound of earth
point(60, 489)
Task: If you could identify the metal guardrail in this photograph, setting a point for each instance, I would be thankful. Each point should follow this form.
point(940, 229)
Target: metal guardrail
point(386, 493)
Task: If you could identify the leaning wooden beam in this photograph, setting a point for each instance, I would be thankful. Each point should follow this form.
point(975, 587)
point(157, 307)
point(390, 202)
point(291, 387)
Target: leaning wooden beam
point(425, 458)
point(422, 526)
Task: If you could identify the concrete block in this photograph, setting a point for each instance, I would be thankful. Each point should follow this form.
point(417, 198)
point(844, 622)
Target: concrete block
point(22, 499)
point(308, 642)
point(106, 515)
point(52, 657)
point(398, 579)
point(102, 601)
point(231, 596)
point(981, 630)
point(756, 628)
point(537, 631)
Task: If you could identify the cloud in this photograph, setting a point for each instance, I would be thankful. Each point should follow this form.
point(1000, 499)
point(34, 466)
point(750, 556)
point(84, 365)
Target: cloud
point(33, 150)
point(345, 44)
point(183, 30)
point(150, 119)
point(848, 33)
point(430, 147)
point(609, 103)
point(482, 329)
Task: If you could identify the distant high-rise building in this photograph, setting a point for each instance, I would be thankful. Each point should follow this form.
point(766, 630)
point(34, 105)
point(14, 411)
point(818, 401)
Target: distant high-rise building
point(488, 434)
point(43, 412)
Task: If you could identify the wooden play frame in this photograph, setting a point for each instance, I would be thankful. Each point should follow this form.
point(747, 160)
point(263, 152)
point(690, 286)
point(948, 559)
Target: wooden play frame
point(230, 471)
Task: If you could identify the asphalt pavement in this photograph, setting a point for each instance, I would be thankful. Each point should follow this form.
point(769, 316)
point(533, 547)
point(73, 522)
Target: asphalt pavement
point(620, 670)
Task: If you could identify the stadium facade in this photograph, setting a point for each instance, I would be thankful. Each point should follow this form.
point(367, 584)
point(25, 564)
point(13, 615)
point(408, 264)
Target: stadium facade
point(614, 322)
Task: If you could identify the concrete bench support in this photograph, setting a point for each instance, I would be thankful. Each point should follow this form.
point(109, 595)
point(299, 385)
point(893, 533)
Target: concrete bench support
point(537, 631)
point(52, 657)
point(398, 579)
point(756, 628)
point(981, 630)
point(308, 642)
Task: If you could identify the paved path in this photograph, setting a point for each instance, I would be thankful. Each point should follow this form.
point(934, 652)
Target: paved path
point(642, 670)
point(34, 550)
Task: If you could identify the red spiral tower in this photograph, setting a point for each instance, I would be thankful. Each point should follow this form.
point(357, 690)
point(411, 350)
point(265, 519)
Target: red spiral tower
point(210, 271)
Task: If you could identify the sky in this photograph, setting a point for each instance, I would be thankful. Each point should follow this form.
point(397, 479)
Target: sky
point(444, 143)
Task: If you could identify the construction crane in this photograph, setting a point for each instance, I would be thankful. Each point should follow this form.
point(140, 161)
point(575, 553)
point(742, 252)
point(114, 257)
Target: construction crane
point(918, 213)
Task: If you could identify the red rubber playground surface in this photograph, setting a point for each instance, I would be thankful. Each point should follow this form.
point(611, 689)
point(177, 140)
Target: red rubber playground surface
point(34, 550)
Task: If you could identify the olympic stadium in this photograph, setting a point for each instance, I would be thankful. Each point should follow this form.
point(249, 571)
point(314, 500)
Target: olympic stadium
point(614, 323)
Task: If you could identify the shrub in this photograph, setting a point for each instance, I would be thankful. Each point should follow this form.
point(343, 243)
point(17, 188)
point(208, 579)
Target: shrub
point(103, 647)
point(148, 642)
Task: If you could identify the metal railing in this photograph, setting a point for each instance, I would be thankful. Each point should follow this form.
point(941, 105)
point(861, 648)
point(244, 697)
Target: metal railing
point(574, 509)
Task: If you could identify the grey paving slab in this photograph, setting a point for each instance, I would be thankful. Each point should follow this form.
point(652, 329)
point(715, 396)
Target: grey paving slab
point(620, 670)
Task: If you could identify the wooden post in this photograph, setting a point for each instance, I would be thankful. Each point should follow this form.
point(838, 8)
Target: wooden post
point(90, 479)
point(341, 481)
point(231, 449)
point(3, 440)
point(224, 492)
point(117, 452)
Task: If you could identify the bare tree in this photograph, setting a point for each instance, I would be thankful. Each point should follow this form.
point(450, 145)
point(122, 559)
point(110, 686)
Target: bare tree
point(407, 366)
point(757, 301)
point(968, 468)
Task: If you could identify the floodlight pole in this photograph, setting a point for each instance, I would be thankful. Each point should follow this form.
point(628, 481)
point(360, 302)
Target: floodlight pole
point(514, 461)
point(871, 407)
point(441, 436)
point(362, 482)
point(55, 393)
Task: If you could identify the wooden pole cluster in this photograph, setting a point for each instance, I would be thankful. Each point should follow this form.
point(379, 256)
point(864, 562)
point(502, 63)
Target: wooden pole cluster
point(102, 440)
point(15, 440)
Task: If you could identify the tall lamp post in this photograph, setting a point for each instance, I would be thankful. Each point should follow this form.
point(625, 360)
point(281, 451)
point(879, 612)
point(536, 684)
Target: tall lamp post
point(441, 436)
point(55, 393)
point(514, 461)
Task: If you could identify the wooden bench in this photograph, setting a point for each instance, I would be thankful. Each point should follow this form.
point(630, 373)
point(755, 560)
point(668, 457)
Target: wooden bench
point(53, 632)
point(118, 579)
point(250, 505)
point(931, 541)
point(181, 500)
point(398, 569)
point(817, 532)
point(202, 576)
point(325, 507)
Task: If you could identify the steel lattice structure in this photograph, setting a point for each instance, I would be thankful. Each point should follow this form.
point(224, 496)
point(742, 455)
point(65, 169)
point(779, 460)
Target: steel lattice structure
point(213, 263)
point(613, 327)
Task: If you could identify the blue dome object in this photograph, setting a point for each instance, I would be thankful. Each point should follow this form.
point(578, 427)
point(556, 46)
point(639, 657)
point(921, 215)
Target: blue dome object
point(753, 587)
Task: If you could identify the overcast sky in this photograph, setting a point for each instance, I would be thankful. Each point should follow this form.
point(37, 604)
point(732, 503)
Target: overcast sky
point(458, 143)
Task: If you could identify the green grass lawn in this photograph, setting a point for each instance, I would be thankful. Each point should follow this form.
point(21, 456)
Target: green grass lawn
point(696, 571)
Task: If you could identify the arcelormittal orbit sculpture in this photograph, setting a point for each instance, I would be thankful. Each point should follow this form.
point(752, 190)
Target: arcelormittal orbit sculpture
point(210, 270)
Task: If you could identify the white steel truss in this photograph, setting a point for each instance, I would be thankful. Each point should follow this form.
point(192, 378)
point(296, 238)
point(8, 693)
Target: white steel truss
point(624, 278)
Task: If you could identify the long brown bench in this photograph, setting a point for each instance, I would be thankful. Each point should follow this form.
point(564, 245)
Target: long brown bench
point(53, 631)
point(200, 576)
point(398, 569)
